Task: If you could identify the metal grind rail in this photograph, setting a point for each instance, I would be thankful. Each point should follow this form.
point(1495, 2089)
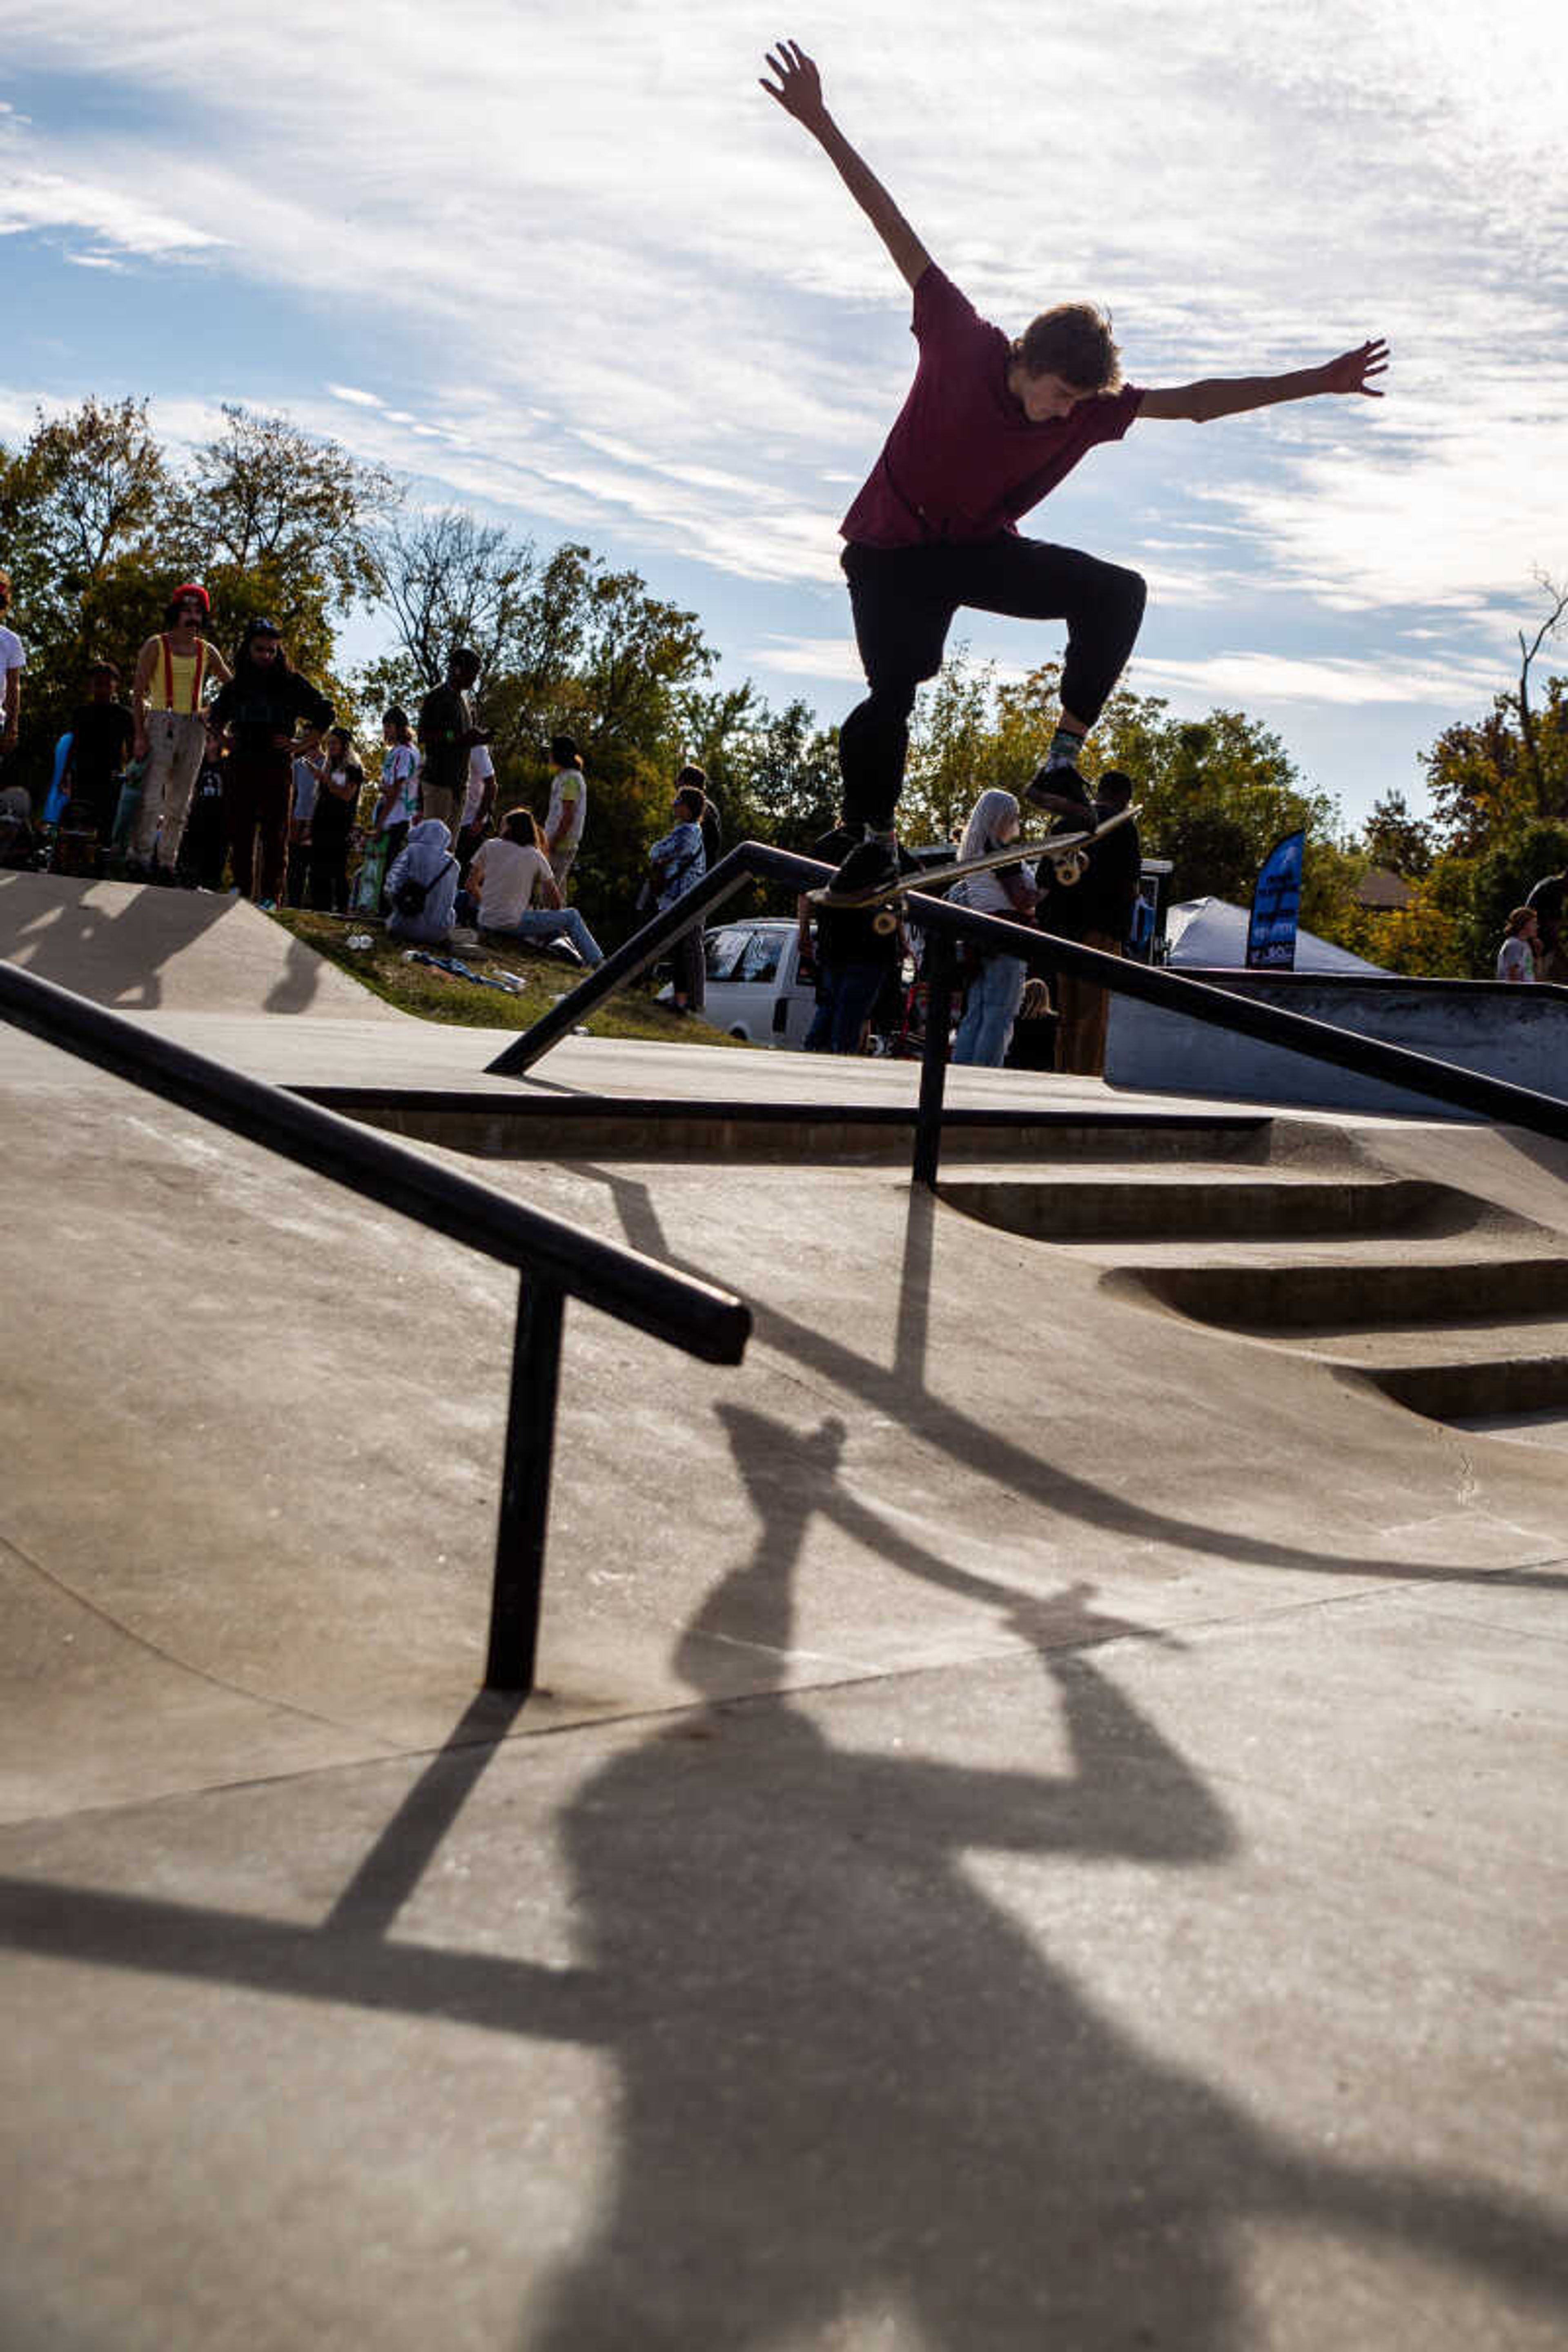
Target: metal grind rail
point(555, 1261)
point(1043, 952)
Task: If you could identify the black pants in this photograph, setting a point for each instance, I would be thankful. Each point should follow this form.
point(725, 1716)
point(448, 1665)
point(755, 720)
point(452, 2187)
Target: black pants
point(329, 890)
point(904, 599)
point(257, 784)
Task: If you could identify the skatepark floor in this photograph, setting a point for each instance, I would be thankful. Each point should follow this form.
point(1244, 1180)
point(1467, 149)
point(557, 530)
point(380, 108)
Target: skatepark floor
point(1041, 1823)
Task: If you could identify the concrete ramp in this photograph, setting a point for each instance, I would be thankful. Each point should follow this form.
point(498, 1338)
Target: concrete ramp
point(138, 948)
point(1047, 1830)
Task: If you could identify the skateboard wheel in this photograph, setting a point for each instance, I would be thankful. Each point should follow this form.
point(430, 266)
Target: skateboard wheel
point(1072, 869)
point(884, 922)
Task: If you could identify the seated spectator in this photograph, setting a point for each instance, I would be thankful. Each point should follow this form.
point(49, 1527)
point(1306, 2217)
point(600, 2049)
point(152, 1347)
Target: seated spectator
point(508, 872)
point(679, 861)
point(1516, 957)
point(102, 732)
point(422, 885)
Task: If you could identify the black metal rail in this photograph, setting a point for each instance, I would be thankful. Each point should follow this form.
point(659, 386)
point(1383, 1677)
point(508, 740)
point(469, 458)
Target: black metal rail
point(748, 861)
point(1043, 952)
point(556, 1261)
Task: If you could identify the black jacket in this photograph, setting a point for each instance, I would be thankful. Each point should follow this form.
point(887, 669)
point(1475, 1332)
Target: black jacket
point(1104, 900)
point(259, 703)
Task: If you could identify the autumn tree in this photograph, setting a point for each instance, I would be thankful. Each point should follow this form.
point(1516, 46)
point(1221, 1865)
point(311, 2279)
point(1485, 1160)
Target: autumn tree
point(99, 524)
point(1494, 776)
point(277, 523)
point(84, 508)
point(1395, 839)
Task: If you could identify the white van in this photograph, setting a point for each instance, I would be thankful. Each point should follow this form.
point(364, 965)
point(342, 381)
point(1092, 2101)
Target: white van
point(753, 988)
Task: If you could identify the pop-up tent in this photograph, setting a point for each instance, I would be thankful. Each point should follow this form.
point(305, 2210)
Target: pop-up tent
point(1213, 933)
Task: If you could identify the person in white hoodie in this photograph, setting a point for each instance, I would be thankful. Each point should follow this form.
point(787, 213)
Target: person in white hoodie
point(422, 887)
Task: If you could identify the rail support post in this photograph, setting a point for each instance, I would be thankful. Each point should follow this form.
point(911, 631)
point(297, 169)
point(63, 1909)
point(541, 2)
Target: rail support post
point(519, 1584)
point(941, 974)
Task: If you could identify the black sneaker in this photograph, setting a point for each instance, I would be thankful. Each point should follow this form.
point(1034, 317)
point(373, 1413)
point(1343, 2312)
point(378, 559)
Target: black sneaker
point(1050, 784)
point(870, 867)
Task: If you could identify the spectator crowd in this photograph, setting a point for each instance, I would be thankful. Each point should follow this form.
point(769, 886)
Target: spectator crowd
point(215, 772)
point(234, 773)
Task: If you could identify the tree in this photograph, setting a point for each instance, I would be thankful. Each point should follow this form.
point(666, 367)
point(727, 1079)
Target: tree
point(1502, 880)
point(277, 523)
point(1396, 841)
point(1216, 793)
point(99, 526)
point(1494, 776)
point(1548, 784)
point(445, 580)
point(84, 508)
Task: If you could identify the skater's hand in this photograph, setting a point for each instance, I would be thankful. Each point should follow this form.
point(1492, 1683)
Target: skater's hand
point(1351, 371)
point(799, 87)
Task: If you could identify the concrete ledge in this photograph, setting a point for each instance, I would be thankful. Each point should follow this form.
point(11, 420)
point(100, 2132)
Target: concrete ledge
point(504, 1126)
point(1518, 1035)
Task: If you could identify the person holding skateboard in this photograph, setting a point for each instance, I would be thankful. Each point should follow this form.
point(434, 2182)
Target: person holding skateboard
point(991, 424)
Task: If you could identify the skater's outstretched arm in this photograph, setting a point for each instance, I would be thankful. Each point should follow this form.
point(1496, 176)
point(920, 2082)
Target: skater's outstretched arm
point(798, 90)
point(1231, 395)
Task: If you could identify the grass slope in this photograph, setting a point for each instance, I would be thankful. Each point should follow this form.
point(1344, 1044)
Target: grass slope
point(433, 995)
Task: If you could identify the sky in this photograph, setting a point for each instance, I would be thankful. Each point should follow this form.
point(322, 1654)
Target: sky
point(575, 270)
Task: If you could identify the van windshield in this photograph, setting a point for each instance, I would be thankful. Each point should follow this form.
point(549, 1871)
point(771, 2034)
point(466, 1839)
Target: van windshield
point(722, 951)
point(760, 959)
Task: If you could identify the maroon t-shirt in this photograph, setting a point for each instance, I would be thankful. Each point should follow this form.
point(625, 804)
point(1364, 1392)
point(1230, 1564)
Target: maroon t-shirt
point(962, 461)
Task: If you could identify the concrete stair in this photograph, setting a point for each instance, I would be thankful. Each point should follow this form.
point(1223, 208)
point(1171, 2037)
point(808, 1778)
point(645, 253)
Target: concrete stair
point(1449, 1305)
point(1200, 1203)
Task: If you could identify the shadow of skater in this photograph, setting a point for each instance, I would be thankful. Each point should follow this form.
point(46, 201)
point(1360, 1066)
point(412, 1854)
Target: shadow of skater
point(860, 2105)
point(106, 943)
point(299, 981)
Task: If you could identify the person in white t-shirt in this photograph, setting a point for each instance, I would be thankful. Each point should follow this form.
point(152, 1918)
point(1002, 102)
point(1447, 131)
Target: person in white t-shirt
point(507, 874)
point(1516, 957)
point(306, 784)
point(568, 812)
point(477, 806)
point(394, 811)
point(13, 661)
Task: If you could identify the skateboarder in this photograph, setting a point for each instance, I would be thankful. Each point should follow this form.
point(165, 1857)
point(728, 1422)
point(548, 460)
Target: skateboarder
point(990, 425)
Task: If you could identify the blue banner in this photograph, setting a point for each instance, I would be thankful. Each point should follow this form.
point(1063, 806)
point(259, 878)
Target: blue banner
point(1276, 905)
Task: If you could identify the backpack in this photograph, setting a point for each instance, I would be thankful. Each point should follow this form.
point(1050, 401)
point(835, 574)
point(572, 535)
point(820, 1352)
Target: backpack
point(409, 898)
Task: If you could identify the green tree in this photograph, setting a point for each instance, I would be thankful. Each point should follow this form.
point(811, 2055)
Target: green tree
point(99, 526)
point(277, 523)
point(1395, 840)
point(84, 508)
point(1502, 879)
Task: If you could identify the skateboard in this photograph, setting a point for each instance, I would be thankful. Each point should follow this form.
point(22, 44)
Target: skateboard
point(1069, 853)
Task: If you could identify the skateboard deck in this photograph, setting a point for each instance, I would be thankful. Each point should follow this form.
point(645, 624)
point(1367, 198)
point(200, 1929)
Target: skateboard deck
point(1069, 853)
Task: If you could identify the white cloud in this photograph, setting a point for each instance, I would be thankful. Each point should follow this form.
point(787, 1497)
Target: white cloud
point(1250, 679)
point(824, 657)
point(579, 269)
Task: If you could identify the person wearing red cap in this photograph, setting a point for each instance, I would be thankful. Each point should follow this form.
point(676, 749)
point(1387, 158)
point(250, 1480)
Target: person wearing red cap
point(173, 671)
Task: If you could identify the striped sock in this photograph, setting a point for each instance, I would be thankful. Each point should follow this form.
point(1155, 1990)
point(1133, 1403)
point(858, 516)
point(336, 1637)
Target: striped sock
point(1064, 748)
